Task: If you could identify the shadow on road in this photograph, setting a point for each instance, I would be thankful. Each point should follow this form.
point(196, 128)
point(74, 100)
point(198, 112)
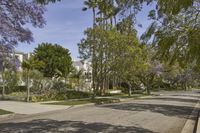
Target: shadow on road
point(167, 110)
point(176, 99)
point(47, 125)
point(193, 96)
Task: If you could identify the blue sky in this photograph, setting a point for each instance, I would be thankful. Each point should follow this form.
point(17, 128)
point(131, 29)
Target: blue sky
point(66, 23)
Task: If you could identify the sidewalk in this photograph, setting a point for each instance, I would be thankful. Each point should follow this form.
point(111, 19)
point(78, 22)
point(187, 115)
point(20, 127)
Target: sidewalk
point(29, 108)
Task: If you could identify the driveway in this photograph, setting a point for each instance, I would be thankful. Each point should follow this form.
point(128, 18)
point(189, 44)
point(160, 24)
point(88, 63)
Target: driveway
point(161, 114)
point(28, 108)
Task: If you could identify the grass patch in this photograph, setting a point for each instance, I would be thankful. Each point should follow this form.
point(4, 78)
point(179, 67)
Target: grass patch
point(138, 95)
point(79, 102)
point(3, 112)
point(70, 103)
point(105, 100)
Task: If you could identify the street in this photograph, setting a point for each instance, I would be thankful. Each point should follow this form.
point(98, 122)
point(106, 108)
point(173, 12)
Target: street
point(167, 113)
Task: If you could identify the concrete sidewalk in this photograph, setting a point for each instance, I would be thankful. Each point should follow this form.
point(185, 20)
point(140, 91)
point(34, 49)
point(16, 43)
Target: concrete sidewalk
point(29, 108)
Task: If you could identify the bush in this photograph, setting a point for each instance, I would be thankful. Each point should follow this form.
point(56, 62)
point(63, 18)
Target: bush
point(60, 86)
point(18, 94)
point(60, 96)
point(19, 89)
point(106, 100)
point(39, 98)
point(73, 95)
point(13, 89)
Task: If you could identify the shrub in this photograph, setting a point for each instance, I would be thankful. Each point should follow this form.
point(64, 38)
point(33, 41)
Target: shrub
point(52, 95)
point(77, 94)
point(60, 86)
point(72, 95)
point(106, 100)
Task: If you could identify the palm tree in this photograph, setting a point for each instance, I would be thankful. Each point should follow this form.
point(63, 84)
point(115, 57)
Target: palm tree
point(29, 65)
point(91, 4)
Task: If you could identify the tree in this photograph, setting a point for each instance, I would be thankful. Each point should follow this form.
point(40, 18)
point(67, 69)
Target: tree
point(76, 78)
point(176, 35)
point(29, 65)
point(8, 63)
point(14, 16)
point(47, 1)
point(57, 60)
point(116, 53)
point(91, 4)
point(174, 30)
point(11, 80)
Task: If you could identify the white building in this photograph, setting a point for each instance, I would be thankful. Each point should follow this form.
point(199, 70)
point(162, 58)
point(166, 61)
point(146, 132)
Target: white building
point(21, 57)
point(84, 66)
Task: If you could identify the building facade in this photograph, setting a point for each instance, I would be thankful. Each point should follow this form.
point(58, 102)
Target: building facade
point(86, 68)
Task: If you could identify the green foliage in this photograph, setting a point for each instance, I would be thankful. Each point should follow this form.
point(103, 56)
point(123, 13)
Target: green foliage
point(96, 101)
point(38, 82)
point(53, 95)
point(57, 60)
point(3, 112)
point(18, 94)
point(175, 31)
point(32, 63)
point(60, 86)
point(105, 100)
point(115, 52)
point(11, 80)
point(77, 80)
point(71, 103)
point(77, 94)
point(47, 1)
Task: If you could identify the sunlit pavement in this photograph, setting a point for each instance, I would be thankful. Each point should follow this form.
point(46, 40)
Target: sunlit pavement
point(167, 113)
point(28, 108)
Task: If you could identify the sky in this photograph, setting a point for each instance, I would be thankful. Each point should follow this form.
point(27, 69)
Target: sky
point(65, 25)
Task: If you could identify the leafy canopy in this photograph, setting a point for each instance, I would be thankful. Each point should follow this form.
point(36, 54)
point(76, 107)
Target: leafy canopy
point(15, 14)
point(57, 60)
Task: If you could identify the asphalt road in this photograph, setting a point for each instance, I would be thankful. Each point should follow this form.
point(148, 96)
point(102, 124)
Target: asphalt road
point(162, 114)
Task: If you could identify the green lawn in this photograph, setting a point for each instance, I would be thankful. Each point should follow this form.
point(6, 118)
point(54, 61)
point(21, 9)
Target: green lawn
point(105, 100)
point(79, 102)
point(3, 112)
point(70, 103)
point(132, 96)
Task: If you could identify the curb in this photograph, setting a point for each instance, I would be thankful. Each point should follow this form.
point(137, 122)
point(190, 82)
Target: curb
point(22, 116)
point(82, 105)
point(7, 115)
point(198, 124)
point(190, 124)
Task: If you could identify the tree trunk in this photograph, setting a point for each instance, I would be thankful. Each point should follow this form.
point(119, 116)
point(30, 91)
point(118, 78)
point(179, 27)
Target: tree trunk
point(28, 88)
point(3, 90)
point(129, 89)
point(185, 86)
point(148, 90)
point(93, 58)
point(3, 79)
point(94, 17)
point(65, 80)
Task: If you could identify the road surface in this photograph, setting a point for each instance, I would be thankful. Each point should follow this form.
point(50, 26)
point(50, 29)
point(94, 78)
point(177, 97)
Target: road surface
point(161, 114)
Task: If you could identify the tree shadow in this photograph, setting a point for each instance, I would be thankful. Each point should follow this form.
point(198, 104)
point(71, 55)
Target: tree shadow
point(193, 96)
point(167, 110)
point(53, 126)
point(175, 99)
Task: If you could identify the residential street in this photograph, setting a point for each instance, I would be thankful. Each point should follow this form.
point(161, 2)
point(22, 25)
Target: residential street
point(29, 108)
point(160, 114)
